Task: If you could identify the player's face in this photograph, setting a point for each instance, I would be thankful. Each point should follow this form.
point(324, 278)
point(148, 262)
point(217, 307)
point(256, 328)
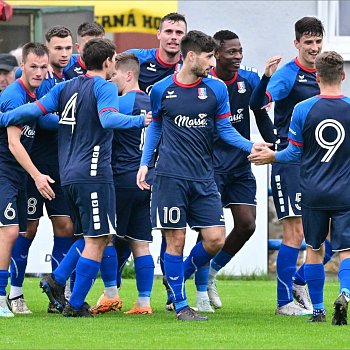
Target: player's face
point(309, 47)
point(82, 40)
point(110, 68)
point(120, 77)
point(6, 78)
point(203, 63)
point(170, 36)
point(34, 70)
point(60, 51)
point(229, 55)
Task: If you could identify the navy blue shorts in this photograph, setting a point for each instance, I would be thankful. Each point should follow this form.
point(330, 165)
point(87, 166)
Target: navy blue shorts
point(56, 207)
point(237, 188)
point(316, 226)
point(175, 202)
point(133, 210)
point(92, 208)
point(286, 192)
point(13, 206)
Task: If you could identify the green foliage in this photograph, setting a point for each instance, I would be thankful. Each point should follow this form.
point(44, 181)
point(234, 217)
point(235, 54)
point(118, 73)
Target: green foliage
point(129, 269)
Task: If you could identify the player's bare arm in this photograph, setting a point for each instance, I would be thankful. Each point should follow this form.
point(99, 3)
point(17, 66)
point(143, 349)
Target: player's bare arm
point(261, 154)
point(148, 118)
point(272, 64)
point(141, 178)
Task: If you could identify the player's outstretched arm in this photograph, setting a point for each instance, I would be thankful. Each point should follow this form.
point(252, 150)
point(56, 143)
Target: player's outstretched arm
point(42, 181)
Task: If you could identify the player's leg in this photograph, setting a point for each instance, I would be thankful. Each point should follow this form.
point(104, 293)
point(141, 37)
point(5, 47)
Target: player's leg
point(123, 254)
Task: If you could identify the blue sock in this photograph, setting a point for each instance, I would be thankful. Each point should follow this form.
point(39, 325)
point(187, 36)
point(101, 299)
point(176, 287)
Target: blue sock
point(344, 277)
point(4, 275)
point(86, 273)
point(197, 258)
point(19, 258)
point(60, 248)
point(315, 276)
point(109, 267)
point(174, 272)
point(161, 254)
point(68, 264)
point(201, 278)
point(328, 252)
point(299, 277)
point(144, 269)
point(220, 260)
point(285, 269)
point(123, 253)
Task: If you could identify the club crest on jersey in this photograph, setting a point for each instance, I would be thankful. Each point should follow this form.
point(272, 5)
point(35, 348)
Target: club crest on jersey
point(202, 93)
point(241, 87)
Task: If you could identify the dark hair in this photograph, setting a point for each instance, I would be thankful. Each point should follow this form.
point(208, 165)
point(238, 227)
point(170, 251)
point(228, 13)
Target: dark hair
point(128, 61)
point(330, 67)
point(223, 35)
point(37, 49)
point(58, 31)
point(198, 42)
point(96, 51)
point(308, 26)
point(172, 17)
point(90, 29)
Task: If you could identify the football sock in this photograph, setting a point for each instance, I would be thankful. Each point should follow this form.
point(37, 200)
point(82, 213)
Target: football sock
point(344, 277)
point(315, 277)
point(108, 270)
point(86, 273)
point(201, 277)
point(197, 258)
point(285, 269)
point(144, 270)
point(4, 275)
point(220, 260)
point(60, 248)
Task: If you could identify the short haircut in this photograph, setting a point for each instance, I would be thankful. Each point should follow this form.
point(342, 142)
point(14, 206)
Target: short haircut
point(172, 17)
point(308, 26)
point(128, 61)
point(198, 42)
point(58, 31)
point(223, 35)
point(96, 51)
point(37, 49)
point(90, 29)
point(330, 67)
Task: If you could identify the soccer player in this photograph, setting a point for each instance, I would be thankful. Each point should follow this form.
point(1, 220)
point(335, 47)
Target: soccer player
point(86, 31)
point(44, 155)
point(187, 108)
point(133, 205)
point(319, 137)
point(15, 142)
point(233, 174)
point(8, 63)
point(88, 111)
point(292, 83)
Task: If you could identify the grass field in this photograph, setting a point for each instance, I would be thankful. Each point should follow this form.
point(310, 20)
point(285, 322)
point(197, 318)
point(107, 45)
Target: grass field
point(246, 321)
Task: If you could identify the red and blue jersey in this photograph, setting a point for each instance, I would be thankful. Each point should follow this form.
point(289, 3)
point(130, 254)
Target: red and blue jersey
point(321, 126)
point(290, 85)
point(152, 68)
point(16, 94)
point(74, 68)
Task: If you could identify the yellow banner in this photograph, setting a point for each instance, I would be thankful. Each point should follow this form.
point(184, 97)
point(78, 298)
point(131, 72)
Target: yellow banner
point(116, 16)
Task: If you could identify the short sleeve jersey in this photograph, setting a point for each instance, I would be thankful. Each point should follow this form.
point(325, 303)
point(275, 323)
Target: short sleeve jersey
point(84, 146)
point(128, 144)
point(74, 68)
point(321, 126)
point(12, 97)
point(240, 87)
point(187, 114)
point(44, 149)
point(152, 68)
point(290, 85)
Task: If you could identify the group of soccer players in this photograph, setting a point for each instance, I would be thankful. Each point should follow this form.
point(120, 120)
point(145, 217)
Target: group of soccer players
point(94, 169)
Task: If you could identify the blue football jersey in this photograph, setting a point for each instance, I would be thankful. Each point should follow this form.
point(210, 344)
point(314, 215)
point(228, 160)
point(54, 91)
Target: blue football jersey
point(84, 146)
point(152, 68)
point(16, 94)
point(74, 68)
point(290, 85)
point(187, 114)
point(128, 144)
point(226, 157)
point(320, 124)
point(45, 148)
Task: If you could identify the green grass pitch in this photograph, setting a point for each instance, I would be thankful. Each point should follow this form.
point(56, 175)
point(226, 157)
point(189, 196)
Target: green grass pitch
point(246, 321)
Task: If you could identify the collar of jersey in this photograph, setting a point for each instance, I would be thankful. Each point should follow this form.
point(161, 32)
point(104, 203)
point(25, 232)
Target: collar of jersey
point(31, 94)
point(227, 82)
point(163, 63)
point(186, 85)
point(310, 70)
point(82, 64)
point(330, 96)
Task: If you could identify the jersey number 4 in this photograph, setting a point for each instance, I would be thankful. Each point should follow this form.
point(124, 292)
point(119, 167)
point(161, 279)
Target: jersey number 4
point(68, 114)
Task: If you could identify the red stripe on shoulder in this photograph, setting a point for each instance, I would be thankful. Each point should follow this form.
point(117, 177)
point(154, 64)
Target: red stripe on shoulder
point(107, 109)
point(41, 107)
point(223, 116)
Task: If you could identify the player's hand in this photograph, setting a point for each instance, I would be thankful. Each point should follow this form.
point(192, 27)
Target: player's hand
point(148, 118)
point(272, 64)
point(141, 178)
point(261, 154)
point(42, 183)
point(49, 73)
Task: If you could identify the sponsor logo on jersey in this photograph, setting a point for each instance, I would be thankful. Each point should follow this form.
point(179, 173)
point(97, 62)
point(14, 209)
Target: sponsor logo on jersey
point(78, 70)
point(187, 122)
point(241, 87)
point(152, 67)
point(170, 94)
point(238, 117)
point(302, 78)
point(202, 93)
point(28, 132)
